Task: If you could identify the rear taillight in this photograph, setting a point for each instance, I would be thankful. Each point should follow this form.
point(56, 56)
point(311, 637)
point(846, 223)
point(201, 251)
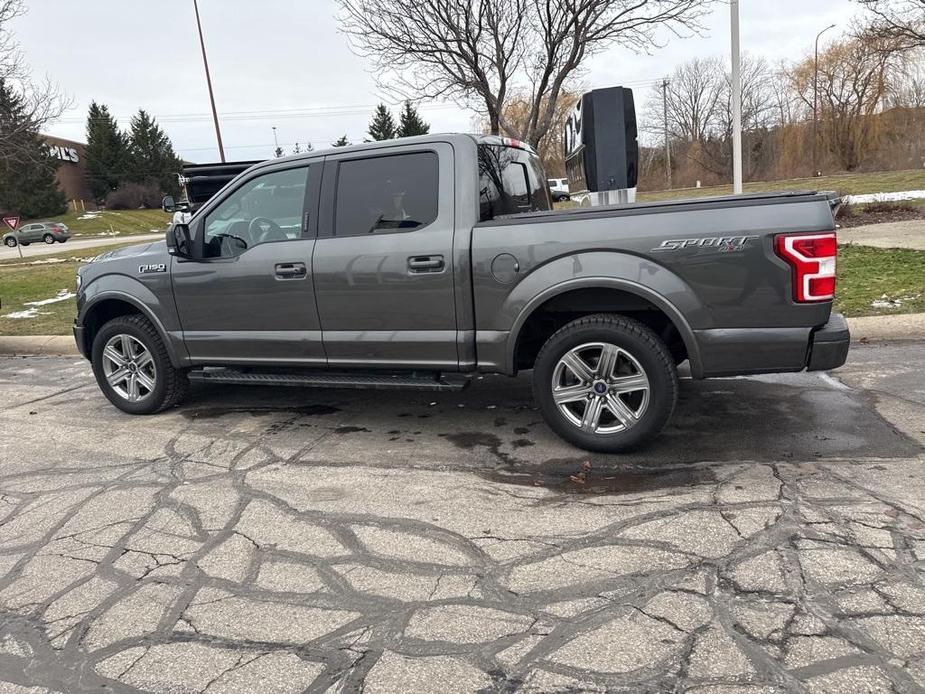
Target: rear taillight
point(812, 257)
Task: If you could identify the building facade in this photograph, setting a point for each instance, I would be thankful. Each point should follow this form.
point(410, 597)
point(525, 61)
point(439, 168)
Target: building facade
point(72, 173)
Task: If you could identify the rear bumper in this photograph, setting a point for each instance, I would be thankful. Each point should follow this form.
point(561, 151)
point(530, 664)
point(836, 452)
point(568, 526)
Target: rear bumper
point(828, 347)
point(741, 351)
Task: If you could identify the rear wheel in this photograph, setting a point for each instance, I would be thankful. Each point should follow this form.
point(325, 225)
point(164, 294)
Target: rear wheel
point(133, 369)
point(48, 238)
point(605, 383)
point(10, 241)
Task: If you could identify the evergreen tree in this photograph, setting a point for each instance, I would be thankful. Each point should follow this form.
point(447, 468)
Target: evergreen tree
point(410, 123)
point(153, 160)
point(341, 142)
point(382, 126)
point(27, 180)
point(107, 152)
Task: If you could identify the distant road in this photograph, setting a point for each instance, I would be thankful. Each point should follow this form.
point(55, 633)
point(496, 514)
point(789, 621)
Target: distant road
point(74, 244)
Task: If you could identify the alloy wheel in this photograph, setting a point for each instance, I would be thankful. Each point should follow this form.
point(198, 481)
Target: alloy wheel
point(600, 388)
point(129, 367)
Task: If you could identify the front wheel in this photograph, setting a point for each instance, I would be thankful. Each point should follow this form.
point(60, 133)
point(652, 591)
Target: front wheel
point(605, 383)
point(133, 369)
point(10, 242)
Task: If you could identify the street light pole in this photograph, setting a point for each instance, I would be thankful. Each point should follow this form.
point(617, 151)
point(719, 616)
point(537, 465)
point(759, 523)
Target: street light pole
point(275, 143)
point(667, 141)
point(816, 94)
point(736, 101)
point(205, 62)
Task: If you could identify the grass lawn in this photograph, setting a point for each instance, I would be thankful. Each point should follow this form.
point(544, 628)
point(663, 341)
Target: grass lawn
point(845, 184)
point(121, 222)
point(21, 282)
point(865, 275)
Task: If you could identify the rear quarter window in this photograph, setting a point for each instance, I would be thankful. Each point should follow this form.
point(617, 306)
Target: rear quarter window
point(511, 181)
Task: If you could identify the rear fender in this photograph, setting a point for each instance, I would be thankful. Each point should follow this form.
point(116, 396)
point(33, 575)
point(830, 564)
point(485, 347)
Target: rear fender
point(606, 270)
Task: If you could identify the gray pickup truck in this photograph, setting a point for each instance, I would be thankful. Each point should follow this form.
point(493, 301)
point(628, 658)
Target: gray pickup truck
point(418, 262)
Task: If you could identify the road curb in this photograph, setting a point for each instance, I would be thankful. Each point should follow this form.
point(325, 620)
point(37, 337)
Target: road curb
point(39, 345)
point(905, 327)
point(910, 326)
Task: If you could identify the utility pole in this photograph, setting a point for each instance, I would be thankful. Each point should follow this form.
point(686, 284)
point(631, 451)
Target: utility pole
point(667, 141)
point(276, 152)
point(205, 62)
point(816, 95)
point(736, 101)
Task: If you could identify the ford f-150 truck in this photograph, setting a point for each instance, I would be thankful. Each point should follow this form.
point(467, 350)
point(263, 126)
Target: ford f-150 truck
point(413, 263)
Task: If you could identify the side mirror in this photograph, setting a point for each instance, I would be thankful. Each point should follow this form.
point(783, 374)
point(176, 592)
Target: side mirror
point(180, 241)
point(168, 204)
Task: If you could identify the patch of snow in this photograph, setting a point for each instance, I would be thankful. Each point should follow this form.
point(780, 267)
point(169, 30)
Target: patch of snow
point(90, 215)
point(28, 313)
point(62, 295)
point(886, 302)
point(885, 197)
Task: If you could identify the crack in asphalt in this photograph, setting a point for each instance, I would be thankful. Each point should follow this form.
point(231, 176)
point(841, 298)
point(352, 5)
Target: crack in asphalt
point(235, 548)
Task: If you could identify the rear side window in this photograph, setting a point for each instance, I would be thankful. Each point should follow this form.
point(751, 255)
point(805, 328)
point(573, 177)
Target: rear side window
point(510, 181)
point(386, 194)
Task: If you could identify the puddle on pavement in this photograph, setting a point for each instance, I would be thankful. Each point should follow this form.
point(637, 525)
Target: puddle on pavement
point(574, 477)
point(215, 412)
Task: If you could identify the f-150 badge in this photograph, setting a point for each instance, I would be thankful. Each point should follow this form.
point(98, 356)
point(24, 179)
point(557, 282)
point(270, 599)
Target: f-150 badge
point(722, 244)
point(158, 267)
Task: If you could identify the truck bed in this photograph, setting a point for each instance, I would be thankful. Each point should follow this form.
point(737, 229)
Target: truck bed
point(660, 206)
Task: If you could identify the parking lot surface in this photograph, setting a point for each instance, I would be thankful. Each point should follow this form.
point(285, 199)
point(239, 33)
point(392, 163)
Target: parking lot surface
point(773, 540)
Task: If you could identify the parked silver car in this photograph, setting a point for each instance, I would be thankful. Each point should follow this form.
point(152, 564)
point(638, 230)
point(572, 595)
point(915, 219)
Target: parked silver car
point(49, 232)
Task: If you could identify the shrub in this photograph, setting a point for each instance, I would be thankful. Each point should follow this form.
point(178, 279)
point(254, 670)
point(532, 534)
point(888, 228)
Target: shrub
point(133, 196)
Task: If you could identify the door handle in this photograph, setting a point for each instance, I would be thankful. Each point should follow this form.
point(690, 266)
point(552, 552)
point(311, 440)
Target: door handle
point(289, 271)
point(426, 263)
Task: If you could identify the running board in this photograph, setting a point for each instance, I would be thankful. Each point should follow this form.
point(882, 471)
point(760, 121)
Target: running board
point(327, 379)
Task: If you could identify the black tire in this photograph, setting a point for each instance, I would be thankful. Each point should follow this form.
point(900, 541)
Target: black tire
point(10, 242)
point(649, 352)
point(48, 238)
point(171, 384)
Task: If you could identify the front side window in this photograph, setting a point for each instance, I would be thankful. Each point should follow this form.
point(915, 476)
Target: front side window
point(510, 181)
point(388, 194)
point(267, 208)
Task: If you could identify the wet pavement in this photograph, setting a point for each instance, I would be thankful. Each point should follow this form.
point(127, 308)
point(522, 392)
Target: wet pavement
point(773, 540)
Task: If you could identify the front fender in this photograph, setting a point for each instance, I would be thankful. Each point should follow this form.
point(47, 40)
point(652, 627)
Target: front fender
point(603, 269)
point(161, 313)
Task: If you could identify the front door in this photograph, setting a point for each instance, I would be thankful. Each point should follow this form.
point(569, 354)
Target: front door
point(383, 261)
point(247, 297)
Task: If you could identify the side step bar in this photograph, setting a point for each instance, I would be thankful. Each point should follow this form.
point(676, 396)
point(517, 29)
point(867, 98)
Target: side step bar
point(414, 380)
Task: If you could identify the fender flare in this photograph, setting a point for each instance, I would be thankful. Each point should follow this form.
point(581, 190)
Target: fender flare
point(176, 359)
point(640, 290)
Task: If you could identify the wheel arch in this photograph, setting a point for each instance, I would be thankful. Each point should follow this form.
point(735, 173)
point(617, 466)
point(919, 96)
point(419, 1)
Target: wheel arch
point(104, 307)
point(621, 295)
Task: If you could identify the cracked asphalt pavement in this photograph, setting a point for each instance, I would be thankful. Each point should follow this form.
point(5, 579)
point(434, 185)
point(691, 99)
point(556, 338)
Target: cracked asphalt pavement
point(277, 540)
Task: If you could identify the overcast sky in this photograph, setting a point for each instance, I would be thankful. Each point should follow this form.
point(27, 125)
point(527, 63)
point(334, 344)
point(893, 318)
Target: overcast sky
point(288, 57)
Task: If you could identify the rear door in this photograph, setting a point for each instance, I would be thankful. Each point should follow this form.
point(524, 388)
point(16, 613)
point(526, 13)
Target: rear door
point(383, 263)
point(247, 297)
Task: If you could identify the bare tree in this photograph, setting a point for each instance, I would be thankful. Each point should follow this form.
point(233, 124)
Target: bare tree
point(853, 81)
point(37, 103)
point(693, 98)
point(900, 20)
point(483, 52)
